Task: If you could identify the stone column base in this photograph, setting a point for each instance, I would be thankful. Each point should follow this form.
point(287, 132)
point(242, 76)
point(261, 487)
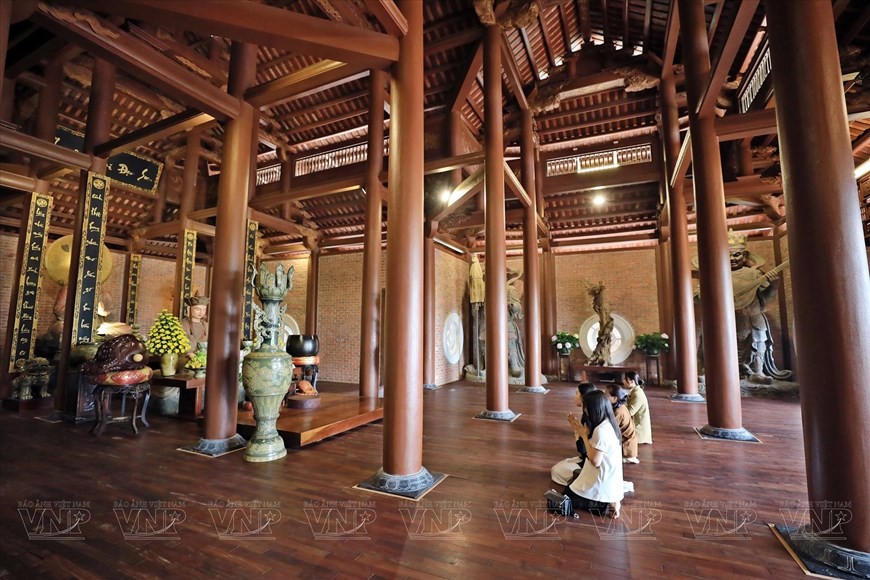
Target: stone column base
point(740, 434)
point(429, 386)
point(411, 486)
point(830, 554)
point(538, 390)
point(688, 398)
point(217, 447)
point(497, 415)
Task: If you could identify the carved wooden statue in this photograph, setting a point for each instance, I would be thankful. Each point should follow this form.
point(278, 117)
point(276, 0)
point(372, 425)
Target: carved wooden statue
point(601, 354)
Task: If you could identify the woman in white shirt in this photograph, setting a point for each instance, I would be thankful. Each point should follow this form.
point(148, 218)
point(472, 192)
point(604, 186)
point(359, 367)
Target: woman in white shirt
point(599, 484)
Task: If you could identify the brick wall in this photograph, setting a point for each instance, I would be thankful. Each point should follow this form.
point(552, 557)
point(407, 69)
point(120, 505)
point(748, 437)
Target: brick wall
point(451, 295)
point(630, 279)
point(8, 248)
point(157, 288)
point(338, 316)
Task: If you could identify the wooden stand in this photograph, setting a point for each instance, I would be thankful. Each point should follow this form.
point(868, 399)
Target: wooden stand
point(192, 391)
point(650, 361)
point(569, 375)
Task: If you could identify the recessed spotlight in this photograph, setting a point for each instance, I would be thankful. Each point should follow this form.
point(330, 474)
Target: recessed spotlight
point(598, 200)
point(445, 194)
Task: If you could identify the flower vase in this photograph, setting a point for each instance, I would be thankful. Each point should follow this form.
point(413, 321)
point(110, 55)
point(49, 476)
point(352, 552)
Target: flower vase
point(199, 373)
point(268, 371)
point(168, 363)
point(651, 352)
point(564, 351)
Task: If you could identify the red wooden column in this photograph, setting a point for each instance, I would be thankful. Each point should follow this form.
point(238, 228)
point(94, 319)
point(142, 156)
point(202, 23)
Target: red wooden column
point(228, 270)
point(47, 110)
point(830, 283)
point(311, 287)
point(429, 337)
point(531, 278)
point(403, 472)
point(496, 257)
point(724, 416)
point(5, 23)
point(682, 342)
point(548, 317)
point(98, 130)
point(370, 338)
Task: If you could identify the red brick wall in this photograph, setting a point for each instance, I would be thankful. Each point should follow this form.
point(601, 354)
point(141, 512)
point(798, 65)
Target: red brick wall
point(451, 295)
point(338, 316)
point(630, 278)
point(8, 248)
point(157, 288)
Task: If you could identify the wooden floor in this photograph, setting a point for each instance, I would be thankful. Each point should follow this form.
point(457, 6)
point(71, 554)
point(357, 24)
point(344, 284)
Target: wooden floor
point(484, 520)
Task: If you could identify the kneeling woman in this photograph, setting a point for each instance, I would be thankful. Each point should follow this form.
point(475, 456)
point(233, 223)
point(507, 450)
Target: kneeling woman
point(599, 484)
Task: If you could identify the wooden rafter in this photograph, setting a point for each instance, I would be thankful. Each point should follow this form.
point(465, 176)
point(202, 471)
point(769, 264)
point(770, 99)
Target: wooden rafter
point(524, 36)
point(515, 81)
point(471, 71)
point(608, 35)
point(647, 20)
point(121, 49)
point(626, 28)
point(604, 105)
point(312, 79)
point(563, 24)
point(742, 20)
point(597, 122)
point(548, 43)
point(159, 130)
point(714, 23)
point(389, 15)
point(469, 187)
point(263, 25)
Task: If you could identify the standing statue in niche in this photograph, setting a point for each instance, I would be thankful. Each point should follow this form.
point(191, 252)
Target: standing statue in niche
point(476, 294)
point(516, 354)
point(601, 354)
point(752, 289)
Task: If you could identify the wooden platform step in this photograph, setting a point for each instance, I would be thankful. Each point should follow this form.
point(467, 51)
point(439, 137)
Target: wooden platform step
point(337, 413)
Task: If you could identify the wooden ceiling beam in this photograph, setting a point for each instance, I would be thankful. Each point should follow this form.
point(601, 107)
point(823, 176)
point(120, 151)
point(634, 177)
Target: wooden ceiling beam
point(509, 65)
point(319, 107)
point(647, 21)
point(262, 25)
point(608, 36)
point(34, 147)
point(577, 182)
point(548, 42)
point(328, 121)
point(453, 41)
point(121, 49)
point(589, 240)
point(626, 29)
point(597, 122)
point(584, 16)
point(318, 77)
point(563, 24)
point(280, 224)
point(672, 36)
point(389, 15)
point(530, 56)
point(742, 20)
point(650, 212)
point(468, 188)
point(514, 185)
point(856, 27)
point(471, 71)
point(714, 23)
point(159, 130)
point(620, 102)
point(34, 57)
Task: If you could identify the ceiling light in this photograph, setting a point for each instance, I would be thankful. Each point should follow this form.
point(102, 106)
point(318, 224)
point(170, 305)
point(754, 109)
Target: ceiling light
point(445, 194)
point(862, 169)
point(598, 200)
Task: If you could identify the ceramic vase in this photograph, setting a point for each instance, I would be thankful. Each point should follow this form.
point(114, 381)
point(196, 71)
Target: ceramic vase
point(268, 371)
point(168, 363)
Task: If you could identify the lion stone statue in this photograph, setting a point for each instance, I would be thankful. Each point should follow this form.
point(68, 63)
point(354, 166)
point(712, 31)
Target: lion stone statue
point(34, 375)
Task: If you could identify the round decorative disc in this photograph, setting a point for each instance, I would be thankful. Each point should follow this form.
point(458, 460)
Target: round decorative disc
point(452, 338)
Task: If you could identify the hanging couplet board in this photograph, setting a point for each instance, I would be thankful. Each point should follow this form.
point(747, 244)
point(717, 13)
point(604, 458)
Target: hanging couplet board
point(87, 279)
point(133, 288)
point(188, 260)
point(250, 268)
point(31, 276)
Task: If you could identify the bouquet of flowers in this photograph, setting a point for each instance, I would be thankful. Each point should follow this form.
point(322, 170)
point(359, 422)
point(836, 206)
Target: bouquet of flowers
point(565, 341)
point(651, 343)
point(166, 335)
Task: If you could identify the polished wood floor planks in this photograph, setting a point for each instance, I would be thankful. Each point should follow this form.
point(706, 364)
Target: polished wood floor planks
point(699, 511)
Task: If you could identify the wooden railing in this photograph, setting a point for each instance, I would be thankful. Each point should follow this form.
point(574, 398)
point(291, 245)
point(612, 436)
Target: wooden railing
point(599, 160)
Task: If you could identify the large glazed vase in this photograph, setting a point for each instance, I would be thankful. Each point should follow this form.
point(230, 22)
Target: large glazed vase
point(300, 345)
point(268, 371)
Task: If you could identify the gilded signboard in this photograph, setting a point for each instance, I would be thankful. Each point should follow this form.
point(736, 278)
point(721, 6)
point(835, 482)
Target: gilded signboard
point(26, 313)
point(131, 169)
